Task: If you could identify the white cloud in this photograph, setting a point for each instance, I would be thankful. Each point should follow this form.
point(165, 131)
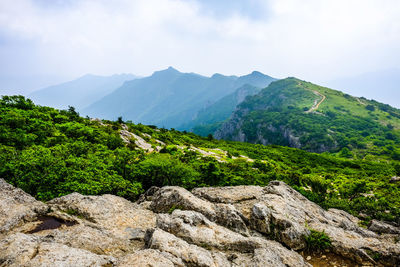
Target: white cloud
point(311, 39)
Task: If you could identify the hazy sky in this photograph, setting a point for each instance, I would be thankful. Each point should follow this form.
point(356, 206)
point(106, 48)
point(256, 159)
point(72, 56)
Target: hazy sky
point(315, 40)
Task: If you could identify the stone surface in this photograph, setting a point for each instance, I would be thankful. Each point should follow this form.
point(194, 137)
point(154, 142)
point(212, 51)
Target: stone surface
point(171, 197)
point(28, 250)
point(170, 226)
point(146, 258)
point(287, 216)
point(228, 194)
point(191, 255)
point(17, 207)
point(383, 228)
point(195, 228)
point(116, 214)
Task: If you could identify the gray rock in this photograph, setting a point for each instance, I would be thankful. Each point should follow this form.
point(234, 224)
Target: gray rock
point(146, 258)
point(195, 228)
point(228, 194)
point(211, 227)
point(286, 215)
point(27, 250)
point(383, 228)
point(190, 255)
point(110, 212)
point(17, 207)
point(172, 197)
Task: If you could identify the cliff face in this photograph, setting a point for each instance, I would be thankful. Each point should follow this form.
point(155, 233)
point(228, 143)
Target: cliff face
point(170, 226)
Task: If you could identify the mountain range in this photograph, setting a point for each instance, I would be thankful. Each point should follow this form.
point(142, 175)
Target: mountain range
point(253, 108)
point(81, 92)
point(170, 98)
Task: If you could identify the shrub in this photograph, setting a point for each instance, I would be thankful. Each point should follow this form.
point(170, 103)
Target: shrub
point(317, 241)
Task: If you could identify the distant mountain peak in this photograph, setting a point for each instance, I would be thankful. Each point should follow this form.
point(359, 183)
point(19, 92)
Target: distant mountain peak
point(255, 72)
point(168, 71)
point(170, 68)
point(217, 75)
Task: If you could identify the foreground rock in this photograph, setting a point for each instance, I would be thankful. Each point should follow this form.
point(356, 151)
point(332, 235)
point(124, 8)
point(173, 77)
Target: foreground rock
point(288, 216)
point(28, 250)
point(171, 226)
point(17, 207)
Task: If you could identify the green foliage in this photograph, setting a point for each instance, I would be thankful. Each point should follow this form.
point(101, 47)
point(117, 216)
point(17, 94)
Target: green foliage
point(50, 153)
point(317, 241)
point(281, 114)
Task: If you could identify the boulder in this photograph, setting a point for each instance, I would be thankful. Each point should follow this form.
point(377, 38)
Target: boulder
point(147, 258)
point(91, 238)
point(383, 228)
point(113, 213)
point(170, 198)
point(190, 255)
point(17, 207)
point(195, 228)
point(287, 216)
point(28, 250)
point(228, 194)
point(170, 226)
point(242, 197)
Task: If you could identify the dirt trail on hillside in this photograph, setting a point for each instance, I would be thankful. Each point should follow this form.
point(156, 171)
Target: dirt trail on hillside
point(316, 103)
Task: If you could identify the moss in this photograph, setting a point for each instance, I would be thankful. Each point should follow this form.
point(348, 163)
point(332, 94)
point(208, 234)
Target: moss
point(174, 207)
point(376, 256)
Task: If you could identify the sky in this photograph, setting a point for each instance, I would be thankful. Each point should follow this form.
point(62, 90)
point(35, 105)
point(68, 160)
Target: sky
point(48, 41)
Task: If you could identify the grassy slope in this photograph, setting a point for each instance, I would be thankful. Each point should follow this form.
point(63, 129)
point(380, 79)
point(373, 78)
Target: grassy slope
point(363, 126)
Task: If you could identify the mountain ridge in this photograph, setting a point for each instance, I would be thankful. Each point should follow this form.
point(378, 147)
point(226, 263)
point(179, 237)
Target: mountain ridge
point(169, 98)
point(80, 92)
point(300, 114)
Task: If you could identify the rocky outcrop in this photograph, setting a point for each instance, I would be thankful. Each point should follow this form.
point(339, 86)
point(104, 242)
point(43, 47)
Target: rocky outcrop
point(28, 250)
point(288, 216)
point(17, 207)
point(383, 228)
point(171, 226)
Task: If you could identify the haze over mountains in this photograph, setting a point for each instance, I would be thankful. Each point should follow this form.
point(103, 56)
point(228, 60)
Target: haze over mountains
point(253, 108)
point(170, 98)
point(383, 86)
point(79, 93)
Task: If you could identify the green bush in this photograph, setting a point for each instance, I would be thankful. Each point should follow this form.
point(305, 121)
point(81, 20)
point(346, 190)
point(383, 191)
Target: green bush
point(317, 241)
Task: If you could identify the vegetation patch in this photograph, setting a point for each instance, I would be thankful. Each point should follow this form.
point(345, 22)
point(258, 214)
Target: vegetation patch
point(50, 153)
point(175, 207)
point(317, 241)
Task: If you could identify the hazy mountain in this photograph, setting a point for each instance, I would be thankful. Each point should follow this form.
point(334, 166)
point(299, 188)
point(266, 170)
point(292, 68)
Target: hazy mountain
point(210, 118)
point(382, 86)
point(169, 98)
point(300, 114)
point(81, 92)
point(24, 84)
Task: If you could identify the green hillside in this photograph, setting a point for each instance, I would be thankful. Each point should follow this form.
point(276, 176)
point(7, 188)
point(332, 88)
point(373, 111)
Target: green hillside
point(210, 118)
point(300, 114)
point(50, 153)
